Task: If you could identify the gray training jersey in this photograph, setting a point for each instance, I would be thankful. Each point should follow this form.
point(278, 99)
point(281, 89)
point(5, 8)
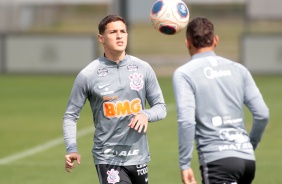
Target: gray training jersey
point(116, 93)
point(210, 92)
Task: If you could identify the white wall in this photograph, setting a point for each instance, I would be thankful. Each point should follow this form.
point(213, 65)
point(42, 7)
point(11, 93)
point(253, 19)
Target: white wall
point(213, 1)
point(42, 2)
point(46, 53)
point(262, 53)
point(111, 1)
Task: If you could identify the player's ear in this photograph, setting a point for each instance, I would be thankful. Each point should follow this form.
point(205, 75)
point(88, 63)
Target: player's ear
point(100, 38)
point(215, 41)
point(188, 43)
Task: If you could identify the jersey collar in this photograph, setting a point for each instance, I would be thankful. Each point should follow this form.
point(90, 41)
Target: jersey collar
point(203, 54)
point(112, 63)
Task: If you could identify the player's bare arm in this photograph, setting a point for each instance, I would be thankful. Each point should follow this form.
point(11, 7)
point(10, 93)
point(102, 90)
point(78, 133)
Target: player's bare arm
point(139, 122)
point(69, 161)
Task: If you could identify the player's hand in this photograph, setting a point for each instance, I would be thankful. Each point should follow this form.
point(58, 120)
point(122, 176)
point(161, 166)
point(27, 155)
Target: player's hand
point(69, 161)
point(188, 176)
point(139, 122)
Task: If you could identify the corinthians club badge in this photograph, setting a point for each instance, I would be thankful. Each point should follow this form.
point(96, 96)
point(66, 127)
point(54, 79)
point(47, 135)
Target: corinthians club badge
point(136, 82)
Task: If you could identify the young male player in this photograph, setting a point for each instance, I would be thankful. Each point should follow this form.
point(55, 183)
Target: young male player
point(210, 93)
point(117, 86)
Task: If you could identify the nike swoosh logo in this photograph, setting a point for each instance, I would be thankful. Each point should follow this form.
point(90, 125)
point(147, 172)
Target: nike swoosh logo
point(102, 86)
point(146, 179)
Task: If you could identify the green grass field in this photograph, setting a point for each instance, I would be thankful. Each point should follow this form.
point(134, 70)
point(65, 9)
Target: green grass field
point(32, 107)
point(32, 149)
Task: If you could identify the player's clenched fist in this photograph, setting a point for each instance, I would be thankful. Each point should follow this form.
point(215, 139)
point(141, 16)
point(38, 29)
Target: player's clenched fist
point(139, 122)
point(188, 176)
point(69, 161)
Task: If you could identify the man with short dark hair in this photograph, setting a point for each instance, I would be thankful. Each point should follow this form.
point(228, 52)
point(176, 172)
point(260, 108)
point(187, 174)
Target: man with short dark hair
point(117, 86)
point(210, 93)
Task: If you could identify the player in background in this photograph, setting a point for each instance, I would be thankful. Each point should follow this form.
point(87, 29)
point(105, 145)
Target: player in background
point(210, 93)
point(117, 86)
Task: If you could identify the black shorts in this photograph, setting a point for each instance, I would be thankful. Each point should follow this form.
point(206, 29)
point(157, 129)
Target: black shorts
point(135, 174)
point(228, 171)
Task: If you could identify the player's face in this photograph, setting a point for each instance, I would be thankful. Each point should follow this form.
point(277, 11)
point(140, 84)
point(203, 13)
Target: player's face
point(114, 38)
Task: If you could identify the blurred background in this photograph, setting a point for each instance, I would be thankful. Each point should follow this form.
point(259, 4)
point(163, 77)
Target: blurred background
point(45, 43)
point(50, 31)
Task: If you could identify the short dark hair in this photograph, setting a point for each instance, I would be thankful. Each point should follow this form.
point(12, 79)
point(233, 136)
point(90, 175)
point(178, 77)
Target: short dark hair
point(201, 32)
point(108, 19)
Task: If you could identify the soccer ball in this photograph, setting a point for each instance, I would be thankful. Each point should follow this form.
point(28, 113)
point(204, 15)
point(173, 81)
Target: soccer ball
point(169, 16)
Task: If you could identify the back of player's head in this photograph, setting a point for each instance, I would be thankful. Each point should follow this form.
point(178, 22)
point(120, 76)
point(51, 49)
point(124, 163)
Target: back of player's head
point(200, 31)
point(108, 19)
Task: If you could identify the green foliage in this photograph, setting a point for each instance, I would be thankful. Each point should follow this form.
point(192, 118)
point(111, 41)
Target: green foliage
point(31, 114)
